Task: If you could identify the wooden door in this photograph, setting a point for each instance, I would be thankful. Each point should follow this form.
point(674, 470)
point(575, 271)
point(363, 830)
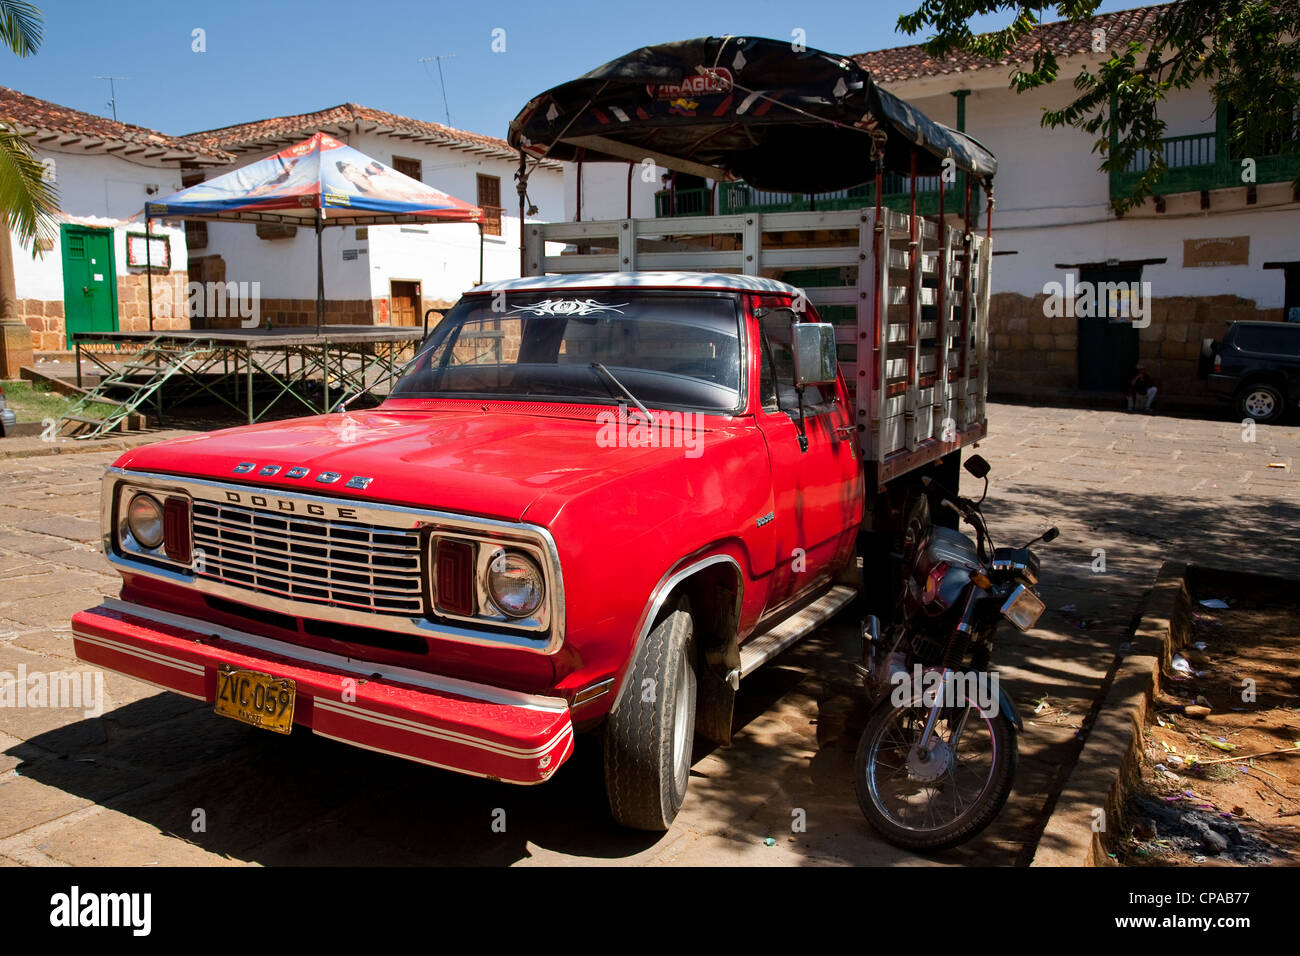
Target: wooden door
point(405, 299)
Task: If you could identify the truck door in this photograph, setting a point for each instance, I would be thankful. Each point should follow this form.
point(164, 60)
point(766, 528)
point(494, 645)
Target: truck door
point(817, 493)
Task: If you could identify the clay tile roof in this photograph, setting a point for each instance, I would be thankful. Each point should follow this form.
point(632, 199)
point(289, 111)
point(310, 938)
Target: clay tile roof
point(1063, 37)
point(42, 120)
point(247, 137)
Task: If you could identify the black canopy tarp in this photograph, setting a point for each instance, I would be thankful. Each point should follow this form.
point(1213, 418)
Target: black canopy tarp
point(742, 108)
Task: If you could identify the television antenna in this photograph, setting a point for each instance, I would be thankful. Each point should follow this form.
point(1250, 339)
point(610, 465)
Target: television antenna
point(112, 91)
point(441, 82)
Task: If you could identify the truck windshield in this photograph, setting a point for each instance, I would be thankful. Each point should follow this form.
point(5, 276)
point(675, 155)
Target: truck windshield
point(669, 349)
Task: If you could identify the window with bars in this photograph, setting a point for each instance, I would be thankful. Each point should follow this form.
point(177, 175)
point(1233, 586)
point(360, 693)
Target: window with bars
point(489, 200)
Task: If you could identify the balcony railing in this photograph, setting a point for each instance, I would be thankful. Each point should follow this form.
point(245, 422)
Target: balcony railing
point(684, 202)
point(740, 197)
point(1201, 162)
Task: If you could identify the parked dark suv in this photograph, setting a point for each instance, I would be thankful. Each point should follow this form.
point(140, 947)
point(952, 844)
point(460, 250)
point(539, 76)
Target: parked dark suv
point(1256, 366)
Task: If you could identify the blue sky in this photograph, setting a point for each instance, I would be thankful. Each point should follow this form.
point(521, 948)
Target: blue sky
point(274, 57)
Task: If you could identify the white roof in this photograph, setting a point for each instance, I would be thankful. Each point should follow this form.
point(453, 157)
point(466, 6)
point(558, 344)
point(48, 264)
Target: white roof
point(649, 280)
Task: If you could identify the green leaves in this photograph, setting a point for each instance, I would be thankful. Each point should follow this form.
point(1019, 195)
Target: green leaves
point(26, 198)
point(21, 27)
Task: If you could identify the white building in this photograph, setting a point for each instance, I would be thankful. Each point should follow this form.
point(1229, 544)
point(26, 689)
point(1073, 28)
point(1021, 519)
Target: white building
point(94, 277)
point(1217, 243)
point(88, 280)
point(377, 274)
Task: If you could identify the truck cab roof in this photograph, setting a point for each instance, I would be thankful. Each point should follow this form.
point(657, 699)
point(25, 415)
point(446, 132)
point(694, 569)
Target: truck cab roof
point(642, 280)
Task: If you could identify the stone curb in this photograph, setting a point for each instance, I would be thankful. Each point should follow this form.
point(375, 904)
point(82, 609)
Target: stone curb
point(1111, 755)
point(33, 447)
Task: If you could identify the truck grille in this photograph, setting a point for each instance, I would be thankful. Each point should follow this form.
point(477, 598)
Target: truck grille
point(336, 563)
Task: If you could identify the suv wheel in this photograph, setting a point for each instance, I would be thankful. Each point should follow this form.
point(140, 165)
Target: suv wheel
point(649, 736)
point(1263, 403)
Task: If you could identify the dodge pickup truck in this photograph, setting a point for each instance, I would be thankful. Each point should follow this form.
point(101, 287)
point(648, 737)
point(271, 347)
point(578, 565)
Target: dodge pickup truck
point(604, 493)
point(575, 510)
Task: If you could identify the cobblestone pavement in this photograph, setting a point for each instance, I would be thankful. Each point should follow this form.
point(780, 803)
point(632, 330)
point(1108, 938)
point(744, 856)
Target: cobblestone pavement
point(130, 787)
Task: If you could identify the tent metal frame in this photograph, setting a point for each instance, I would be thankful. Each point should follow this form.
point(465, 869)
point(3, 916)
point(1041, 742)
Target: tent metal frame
point(340, 360)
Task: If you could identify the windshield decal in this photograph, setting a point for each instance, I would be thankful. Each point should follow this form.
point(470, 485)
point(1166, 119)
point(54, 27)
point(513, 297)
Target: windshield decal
point(568, 307)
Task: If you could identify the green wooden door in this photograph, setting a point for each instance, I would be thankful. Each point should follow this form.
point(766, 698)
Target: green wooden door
point(1108, 345)
point(89, 280)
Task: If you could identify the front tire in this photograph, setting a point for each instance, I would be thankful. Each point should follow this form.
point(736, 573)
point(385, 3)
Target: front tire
point(900, 804)
point(650, 734)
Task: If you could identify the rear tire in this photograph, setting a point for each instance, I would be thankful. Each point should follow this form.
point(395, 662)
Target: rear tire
point(1261, 402)
point(650, 734)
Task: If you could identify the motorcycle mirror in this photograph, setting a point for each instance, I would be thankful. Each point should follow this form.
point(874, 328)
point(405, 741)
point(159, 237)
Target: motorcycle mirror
point(1051, 534)
point(977, 466)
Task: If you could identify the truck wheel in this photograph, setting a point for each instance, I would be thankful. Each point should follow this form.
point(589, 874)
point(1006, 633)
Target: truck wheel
point(648, 737)
point(1263, 403)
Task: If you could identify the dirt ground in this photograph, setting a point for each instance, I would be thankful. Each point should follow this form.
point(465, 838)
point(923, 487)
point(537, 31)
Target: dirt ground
point(1206, 793)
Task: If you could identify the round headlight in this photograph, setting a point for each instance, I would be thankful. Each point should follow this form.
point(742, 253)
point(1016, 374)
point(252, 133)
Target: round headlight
point(144, 518)
point(515, 584)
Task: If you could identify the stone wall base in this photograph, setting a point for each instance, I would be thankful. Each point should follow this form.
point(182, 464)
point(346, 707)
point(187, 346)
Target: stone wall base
point(1031, 352)
point(296, 312)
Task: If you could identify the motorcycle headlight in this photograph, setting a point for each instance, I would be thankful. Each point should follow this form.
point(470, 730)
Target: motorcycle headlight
point(515, 584)
point(144, 519)
point(1023, 608)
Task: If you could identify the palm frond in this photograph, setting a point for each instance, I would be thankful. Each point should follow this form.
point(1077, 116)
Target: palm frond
point(21, 26)
point(28, 200)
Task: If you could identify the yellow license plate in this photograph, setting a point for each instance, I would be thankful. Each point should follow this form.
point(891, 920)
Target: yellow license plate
point(255, 698)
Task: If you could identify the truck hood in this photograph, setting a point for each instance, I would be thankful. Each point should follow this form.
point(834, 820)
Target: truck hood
point(471, 460)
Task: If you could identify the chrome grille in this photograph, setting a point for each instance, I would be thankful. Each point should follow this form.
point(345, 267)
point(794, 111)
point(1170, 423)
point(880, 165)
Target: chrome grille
point(338, 563)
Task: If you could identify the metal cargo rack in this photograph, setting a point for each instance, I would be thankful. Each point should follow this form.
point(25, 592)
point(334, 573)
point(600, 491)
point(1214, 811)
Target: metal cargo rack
point(918, 379)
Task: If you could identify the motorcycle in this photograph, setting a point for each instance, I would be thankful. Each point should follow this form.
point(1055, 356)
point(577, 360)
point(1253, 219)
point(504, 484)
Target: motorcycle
point(936, 761)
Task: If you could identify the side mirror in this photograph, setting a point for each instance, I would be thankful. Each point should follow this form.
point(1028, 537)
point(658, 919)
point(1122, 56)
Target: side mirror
point(815, 357)
point(977, 466)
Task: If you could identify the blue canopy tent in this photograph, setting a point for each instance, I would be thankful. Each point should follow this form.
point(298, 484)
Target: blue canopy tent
point(319, 182)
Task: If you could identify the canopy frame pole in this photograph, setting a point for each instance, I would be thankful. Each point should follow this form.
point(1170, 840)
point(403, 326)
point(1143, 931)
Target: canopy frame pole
point(521, 187)
point(988, 217)
point(941, 317)
point(913, 308)
point(320, 271)
point(577, 211)
point(629, 188)
point(967, 216)
point(148, 269)
point(880, 338)
point(480, 248)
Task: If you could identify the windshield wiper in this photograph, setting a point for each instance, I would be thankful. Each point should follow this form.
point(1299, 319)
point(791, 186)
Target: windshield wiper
point(623, 388)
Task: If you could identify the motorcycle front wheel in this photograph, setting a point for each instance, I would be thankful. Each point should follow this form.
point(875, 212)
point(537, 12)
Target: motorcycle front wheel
point(940, 797)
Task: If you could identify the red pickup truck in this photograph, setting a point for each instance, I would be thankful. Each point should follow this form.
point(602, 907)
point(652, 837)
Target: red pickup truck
point(596, 500)
point(577, 508)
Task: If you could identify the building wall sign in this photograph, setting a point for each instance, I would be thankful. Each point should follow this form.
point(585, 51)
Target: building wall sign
point(1224, 251)
point(159, 254)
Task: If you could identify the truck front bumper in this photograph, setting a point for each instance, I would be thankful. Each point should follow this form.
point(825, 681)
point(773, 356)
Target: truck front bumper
point(453, 724)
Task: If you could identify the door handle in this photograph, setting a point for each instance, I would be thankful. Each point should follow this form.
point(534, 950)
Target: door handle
point(85, 290)
point(846, 431)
